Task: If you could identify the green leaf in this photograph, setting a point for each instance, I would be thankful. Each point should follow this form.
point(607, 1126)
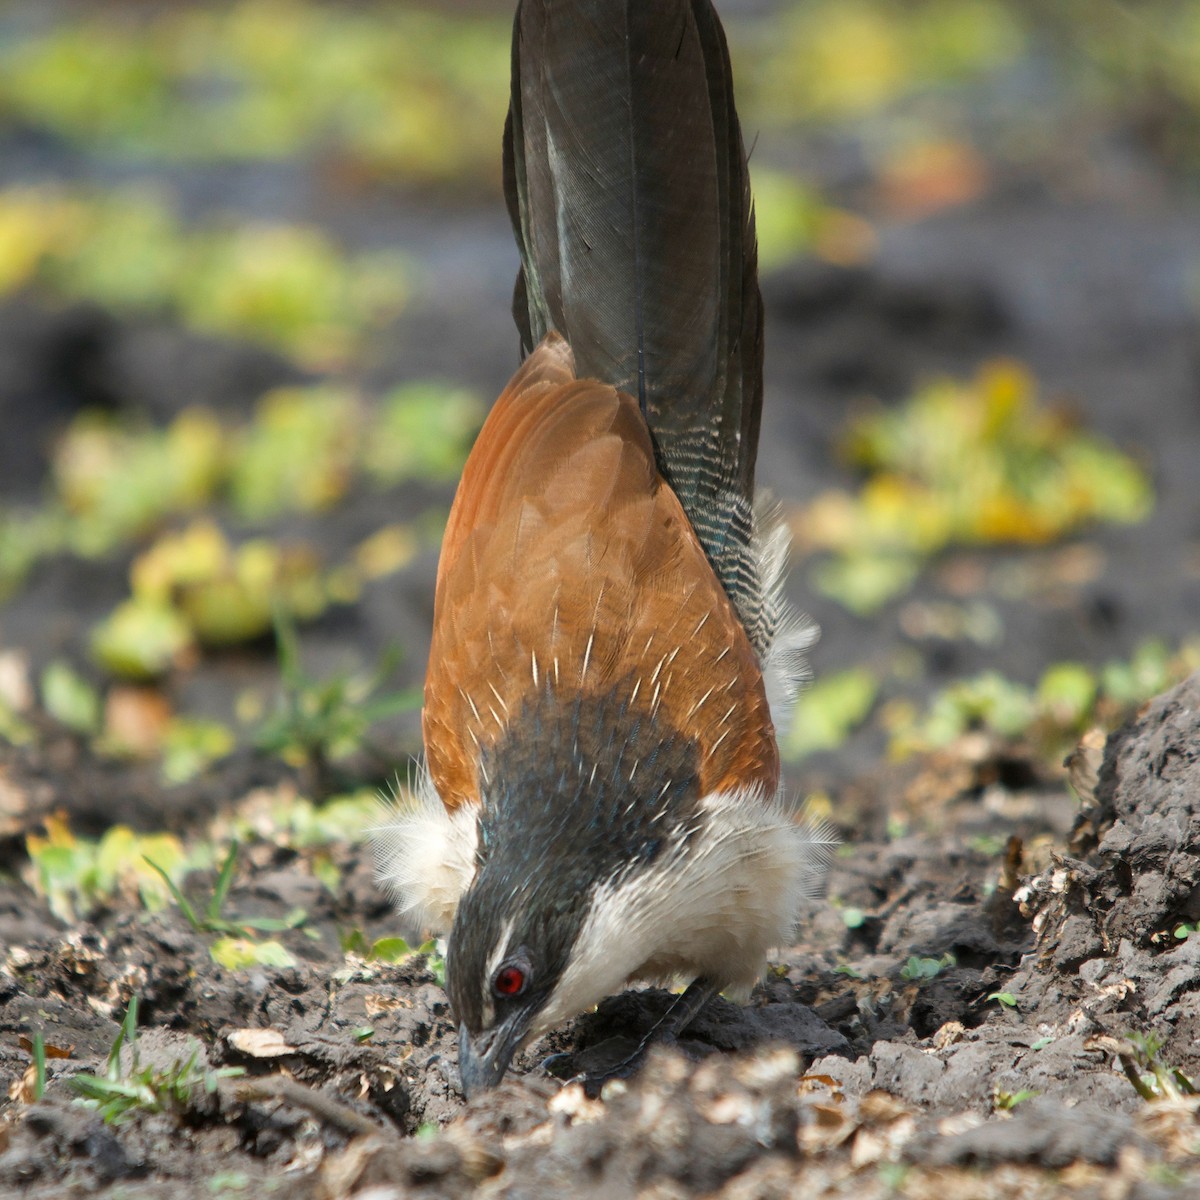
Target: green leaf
point(828, 711)
point(70, 699)
point(1005, 998)
point(390, 950)
point(917, 969)
point(864, 583)
point(140, 639)
point(237, 954)
point(190, 745)
point(1067, 691)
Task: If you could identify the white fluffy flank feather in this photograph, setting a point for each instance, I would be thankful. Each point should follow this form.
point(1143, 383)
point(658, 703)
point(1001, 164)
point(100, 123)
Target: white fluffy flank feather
point(711, 906)
point(425, 854)
point(785, 663)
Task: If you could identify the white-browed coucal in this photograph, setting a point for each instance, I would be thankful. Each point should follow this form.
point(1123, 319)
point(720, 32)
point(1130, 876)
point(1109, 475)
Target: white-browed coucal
point(610, 651)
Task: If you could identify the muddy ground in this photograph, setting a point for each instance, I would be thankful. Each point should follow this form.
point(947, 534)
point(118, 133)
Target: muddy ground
point(967, 1033)
point(1005, 1073)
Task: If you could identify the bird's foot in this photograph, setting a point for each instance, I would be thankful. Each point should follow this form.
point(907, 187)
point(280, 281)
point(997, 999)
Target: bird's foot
point(620, 1057)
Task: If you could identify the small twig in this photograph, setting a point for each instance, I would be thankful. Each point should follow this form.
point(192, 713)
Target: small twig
point(291, 1091)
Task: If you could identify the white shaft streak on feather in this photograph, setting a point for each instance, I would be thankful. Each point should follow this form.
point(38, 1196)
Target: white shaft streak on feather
point(701, 702)
point(703, 622)
point(499, 700)
point(467, 697)
point(587, 654)
point(554, 638)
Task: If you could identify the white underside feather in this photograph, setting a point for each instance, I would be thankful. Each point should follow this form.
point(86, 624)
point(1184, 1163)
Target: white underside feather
point(425, 854)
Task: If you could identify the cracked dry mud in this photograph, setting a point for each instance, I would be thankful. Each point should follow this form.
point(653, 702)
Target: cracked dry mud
point(841, 1075)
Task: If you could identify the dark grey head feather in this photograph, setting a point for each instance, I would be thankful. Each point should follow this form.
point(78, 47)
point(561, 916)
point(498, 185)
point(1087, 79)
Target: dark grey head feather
point(554, 827)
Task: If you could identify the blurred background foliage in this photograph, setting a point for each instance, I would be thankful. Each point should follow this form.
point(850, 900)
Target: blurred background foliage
point(132, 127)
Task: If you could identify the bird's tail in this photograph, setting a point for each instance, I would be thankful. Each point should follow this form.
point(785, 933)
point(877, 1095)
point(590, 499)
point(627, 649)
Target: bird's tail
point(628, 189)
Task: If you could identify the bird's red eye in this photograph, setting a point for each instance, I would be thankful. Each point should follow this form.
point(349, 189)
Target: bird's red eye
point(509, 981)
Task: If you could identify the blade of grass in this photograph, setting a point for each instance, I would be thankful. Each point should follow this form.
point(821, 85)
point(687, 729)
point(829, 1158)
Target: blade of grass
point(185, 905)
point(224, 881)
point(39, 1066)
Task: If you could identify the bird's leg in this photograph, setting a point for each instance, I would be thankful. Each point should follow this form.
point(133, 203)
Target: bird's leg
point(679, 1015)
point(683, 1011)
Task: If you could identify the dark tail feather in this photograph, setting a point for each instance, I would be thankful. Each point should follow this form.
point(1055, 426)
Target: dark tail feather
point(627, 185)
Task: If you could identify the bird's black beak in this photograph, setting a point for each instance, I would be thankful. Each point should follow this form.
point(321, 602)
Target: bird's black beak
point(483, 1060)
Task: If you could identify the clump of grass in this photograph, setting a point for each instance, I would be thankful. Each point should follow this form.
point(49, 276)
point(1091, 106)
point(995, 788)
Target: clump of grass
point(1069, 699)
point(980, 462)
point(236, 948)
point(321, 720)
point(126, 1089)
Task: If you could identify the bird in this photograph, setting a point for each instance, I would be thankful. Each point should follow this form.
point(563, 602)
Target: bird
point(611, 655)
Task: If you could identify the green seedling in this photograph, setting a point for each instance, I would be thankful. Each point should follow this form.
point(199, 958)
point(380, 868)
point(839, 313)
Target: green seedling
point(76, 875)
point(1005, 998)
point(919, 969)
point(394, 950)
point(119, 1092)
point(235, 949)
point(1007, 1101)
point(319, 721)
point(1152, 1077)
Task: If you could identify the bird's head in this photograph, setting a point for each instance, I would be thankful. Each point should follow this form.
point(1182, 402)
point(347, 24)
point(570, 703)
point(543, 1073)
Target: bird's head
point(575, 826)
point(507, 955)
